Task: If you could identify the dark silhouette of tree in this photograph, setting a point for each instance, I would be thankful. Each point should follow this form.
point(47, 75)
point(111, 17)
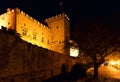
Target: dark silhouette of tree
point(97, 41)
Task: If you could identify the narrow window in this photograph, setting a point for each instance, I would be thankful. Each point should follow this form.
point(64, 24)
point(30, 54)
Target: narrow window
point(42, 39)
point(48, 41)
point(57, 27)
point(34, 36)
point(59, 42)
point(24, 32)
point(24, 24)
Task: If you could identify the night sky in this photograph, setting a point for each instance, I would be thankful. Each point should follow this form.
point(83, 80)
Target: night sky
point(107, 10)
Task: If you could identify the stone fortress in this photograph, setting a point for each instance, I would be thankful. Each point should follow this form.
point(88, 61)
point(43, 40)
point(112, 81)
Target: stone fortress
point(39, 53)
point(51, 34)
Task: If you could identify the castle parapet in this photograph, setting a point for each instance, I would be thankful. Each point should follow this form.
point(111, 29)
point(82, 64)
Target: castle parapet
point(57, 16)
point(31, 18)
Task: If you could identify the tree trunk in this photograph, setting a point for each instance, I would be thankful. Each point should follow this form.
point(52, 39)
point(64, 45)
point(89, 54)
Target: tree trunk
point(96, 70)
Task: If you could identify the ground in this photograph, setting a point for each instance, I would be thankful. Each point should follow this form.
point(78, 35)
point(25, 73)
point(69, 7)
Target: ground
point(106, 74)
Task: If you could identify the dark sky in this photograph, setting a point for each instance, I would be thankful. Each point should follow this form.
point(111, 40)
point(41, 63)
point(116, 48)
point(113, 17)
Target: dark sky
point(108, 10)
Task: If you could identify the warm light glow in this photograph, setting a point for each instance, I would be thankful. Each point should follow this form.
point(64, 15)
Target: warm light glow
point(115, 64)
point(74, 52)
point(34, 32)
point(112, 62)
point(74, 49)
point(2, 23)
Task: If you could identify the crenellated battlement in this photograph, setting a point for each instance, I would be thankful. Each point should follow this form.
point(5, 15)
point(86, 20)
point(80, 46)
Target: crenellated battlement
point(67, 17)
point(50, 33)
point(9, 11)
point(31, 18)
point(57, 16)
point(53, 17)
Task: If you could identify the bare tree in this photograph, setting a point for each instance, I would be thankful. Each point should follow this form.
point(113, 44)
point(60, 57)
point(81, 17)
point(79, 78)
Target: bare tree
point(97, 41)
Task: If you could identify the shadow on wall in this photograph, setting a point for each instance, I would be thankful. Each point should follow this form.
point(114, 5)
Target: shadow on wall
point(26, 60)
point(78, 71)
point(63, 69)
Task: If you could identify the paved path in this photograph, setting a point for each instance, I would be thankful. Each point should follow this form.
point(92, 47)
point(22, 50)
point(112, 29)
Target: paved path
point(106, 72)
point(109, 72)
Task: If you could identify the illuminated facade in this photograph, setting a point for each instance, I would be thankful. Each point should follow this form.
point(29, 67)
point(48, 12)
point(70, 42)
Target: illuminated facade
point(74, 49)
point(51, 35)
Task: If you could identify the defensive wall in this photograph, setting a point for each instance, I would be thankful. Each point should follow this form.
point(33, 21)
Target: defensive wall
point(21, 61)
point(50, 35)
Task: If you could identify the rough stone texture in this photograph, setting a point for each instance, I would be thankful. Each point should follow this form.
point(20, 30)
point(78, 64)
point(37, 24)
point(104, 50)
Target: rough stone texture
point(24, 62)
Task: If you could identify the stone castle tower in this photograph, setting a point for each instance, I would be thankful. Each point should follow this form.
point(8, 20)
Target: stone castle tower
point(51, 34)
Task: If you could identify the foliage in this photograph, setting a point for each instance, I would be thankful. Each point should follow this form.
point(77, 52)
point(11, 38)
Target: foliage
point(97, 41)
point(78, 71)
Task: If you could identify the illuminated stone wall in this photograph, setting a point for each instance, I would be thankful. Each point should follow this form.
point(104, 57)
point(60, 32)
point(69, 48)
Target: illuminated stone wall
point(8, 19)
point(51, 36)
point(25, 62)
point(60, 31)
point(31, 30)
